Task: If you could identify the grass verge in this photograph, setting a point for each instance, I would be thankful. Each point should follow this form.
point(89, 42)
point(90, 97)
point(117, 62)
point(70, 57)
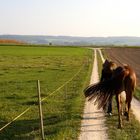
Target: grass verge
point(137, 93)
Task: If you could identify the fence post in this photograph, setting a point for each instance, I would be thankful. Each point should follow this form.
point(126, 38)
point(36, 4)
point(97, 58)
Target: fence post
point(40, 110)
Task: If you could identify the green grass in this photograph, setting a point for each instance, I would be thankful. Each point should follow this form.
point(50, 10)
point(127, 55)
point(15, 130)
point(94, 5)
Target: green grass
point(130, 130)
point(20, 67)
point(137, 93)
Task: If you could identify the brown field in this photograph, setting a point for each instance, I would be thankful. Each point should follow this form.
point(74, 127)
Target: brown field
point(10, 41)
point(129, 56)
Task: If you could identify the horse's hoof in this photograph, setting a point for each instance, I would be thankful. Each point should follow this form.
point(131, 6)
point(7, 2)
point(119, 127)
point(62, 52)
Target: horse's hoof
point(120, 126)
point(128, 119)
point(109, 114)
point(126, 114)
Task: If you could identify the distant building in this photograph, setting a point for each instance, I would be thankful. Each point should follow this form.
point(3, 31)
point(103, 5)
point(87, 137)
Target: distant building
point(50, 44)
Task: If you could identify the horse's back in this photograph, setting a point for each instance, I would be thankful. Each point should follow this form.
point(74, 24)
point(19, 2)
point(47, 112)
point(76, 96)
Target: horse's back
point(130, 79)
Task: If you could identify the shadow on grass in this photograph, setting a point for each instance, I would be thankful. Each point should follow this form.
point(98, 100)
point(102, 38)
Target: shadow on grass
point(30, 103)
point(21, 129)
point(29, 129)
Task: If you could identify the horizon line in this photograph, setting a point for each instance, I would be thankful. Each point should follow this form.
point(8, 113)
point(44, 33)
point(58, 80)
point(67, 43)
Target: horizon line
point(66, 35)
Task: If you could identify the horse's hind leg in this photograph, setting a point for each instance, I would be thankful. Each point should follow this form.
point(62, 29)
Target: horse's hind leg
point(119, 106)
point(128, 103)
point(126, 109)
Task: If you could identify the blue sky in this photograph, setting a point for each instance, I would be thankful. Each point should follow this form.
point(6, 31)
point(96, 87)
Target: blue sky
point(70, 17)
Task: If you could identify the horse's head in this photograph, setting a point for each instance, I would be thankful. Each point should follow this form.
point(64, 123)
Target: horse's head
point(108, 68)
point(106, 63)
point(109, 65)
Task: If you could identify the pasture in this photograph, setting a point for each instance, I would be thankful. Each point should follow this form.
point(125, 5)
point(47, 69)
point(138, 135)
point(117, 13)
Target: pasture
point(20, 67)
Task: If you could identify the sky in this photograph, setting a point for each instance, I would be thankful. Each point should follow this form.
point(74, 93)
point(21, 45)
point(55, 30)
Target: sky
point(89, 18)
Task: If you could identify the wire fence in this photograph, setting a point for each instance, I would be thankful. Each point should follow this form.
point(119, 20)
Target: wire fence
point(62, 93)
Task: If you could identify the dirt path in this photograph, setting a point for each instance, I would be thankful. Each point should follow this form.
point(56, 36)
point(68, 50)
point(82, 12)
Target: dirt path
point(135, 104)
point(101, 55)
point(93, 127)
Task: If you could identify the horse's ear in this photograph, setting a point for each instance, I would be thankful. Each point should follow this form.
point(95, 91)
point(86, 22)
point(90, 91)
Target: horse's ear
point(105, 62)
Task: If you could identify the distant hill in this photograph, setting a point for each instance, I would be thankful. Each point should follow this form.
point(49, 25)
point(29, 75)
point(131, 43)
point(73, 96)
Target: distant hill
point(69, 40)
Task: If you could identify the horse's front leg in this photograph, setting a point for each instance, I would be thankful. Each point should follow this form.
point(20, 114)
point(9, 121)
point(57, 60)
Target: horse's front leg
point(119, 106)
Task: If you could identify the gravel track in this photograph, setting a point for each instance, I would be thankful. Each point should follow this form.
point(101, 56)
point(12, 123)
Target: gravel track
point(93, 127)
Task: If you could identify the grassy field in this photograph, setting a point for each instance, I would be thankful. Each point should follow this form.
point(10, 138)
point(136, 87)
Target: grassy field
point(130, 130)
point(20, 67)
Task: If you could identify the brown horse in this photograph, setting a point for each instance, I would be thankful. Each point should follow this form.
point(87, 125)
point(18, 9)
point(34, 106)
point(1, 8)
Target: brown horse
point(123, 78)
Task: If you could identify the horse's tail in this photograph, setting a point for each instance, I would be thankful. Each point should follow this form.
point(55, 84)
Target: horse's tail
point(103, 91)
